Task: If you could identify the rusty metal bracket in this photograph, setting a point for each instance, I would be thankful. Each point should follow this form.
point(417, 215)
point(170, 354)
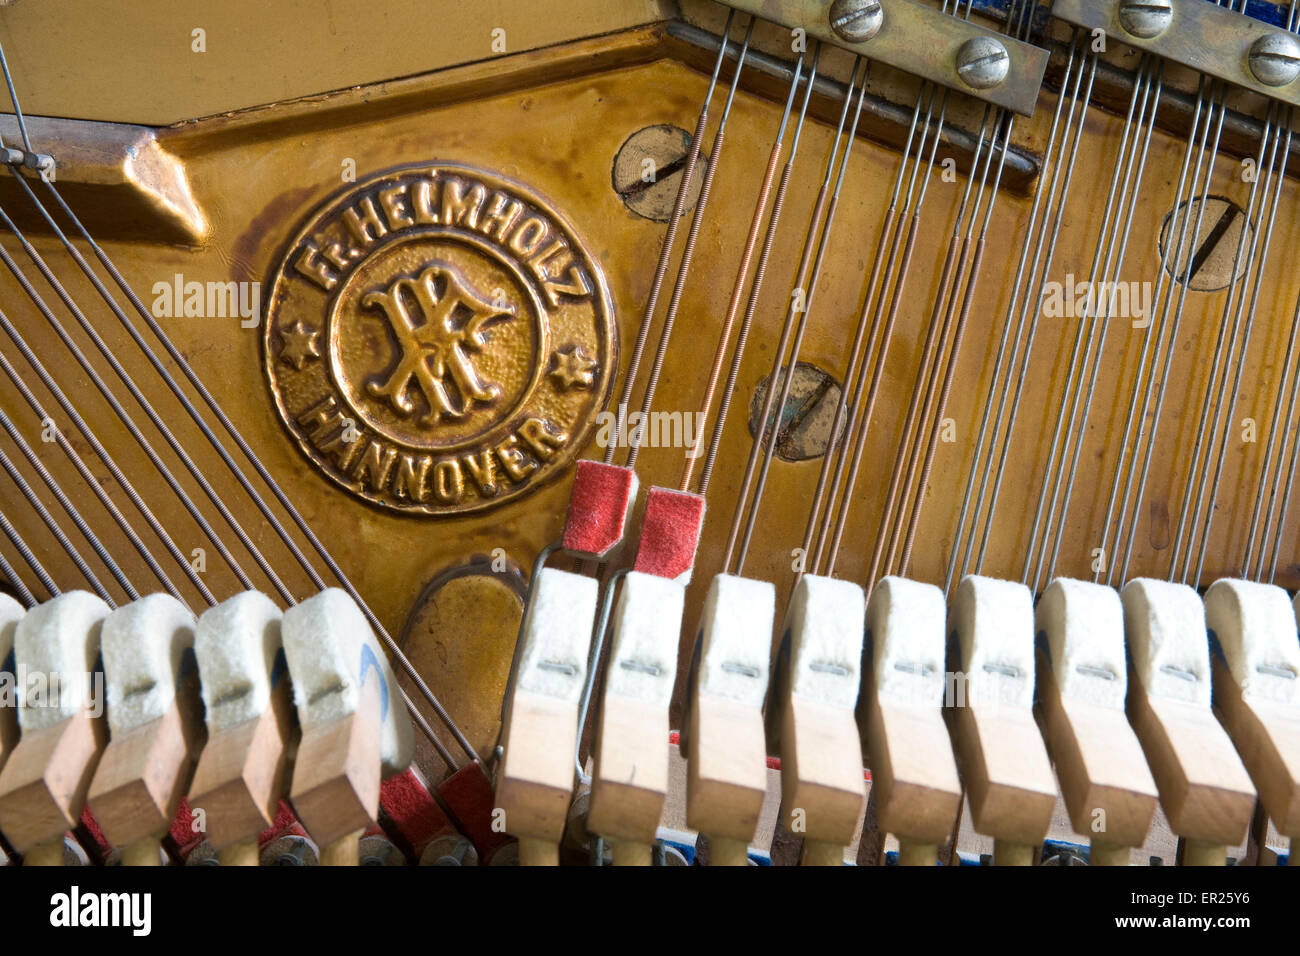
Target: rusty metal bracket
point(42, 163)
point(1208, 38)
point(920, 40)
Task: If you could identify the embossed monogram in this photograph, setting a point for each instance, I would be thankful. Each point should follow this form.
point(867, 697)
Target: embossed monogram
point(438, 340)
point(438, 347)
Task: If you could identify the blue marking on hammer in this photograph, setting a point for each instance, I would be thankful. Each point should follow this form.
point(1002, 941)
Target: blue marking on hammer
point(370, 662)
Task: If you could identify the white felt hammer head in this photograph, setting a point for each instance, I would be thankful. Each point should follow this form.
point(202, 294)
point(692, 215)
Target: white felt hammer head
point(58, 642)
point(332, 651)
point(557, 635)
point(825, 623)
point(736, 639)
point(1255, 626)
point(1084, 627)
point(647, 630)
point(143, 646)
point(236, 644)
point(906, 620)
point(1165, 627)
point(994, 621)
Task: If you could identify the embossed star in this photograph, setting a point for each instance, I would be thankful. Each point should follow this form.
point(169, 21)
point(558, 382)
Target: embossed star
point(573, 367)
point(299, 344)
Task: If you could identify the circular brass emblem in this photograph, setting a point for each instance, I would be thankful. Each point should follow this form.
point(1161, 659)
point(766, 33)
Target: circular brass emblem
point(438, 340)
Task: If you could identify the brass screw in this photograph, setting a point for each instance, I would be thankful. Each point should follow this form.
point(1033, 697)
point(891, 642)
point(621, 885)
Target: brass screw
point(648, 171)
point(1146, 18)
point(982, 62)
point(854, 21)
point(1275, 59)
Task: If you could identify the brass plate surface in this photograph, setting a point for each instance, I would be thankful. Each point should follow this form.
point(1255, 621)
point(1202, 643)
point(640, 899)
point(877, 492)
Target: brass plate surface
point(438, 340)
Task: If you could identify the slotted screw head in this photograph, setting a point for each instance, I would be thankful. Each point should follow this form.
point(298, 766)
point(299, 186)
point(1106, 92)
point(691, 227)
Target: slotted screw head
point(856, 20)
point(1275, 59)
point(982, 62)
point(1146, 18)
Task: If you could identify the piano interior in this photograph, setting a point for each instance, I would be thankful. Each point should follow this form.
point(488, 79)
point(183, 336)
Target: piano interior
point(634, 432)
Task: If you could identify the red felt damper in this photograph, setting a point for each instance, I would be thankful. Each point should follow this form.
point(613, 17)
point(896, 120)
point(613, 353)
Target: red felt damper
point(670, 533)
point(408, 808)
point(182, 828)
point(183, 831)
point(469, 795)
point(599, 504)
point(92, 827)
